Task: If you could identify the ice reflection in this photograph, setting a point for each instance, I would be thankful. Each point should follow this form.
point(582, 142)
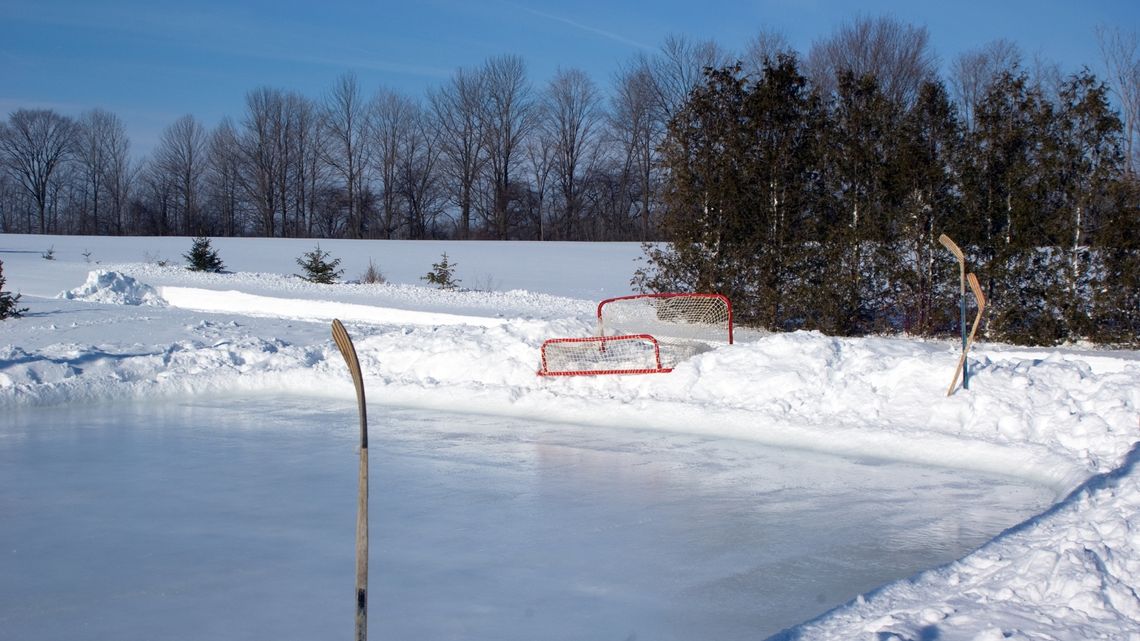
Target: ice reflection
point(234, 518)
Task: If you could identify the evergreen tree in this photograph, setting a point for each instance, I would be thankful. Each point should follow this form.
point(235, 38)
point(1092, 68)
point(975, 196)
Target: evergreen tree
point(442, 274)
point(928, 205)
point(9, 301)
point(709, 198)
point(783, 120)
point(1089, 158)
point(202, 258)
point(1004, 183)
point(318, 268)
point(1116, 301)
point(860, 146)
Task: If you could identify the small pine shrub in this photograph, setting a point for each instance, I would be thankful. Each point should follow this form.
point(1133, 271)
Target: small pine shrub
point(373, 275)
point(318, 268)
point(202, 258)
point(442, 274)
point(9, 301)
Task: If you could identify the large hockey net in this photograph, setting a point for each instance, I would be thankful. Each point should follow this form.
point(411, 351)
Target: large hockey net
point(704, 317)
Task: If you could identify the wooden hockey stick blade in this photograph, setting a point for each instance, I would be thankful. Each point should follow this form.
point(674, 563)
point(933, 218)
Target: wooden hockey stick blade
point(348, 351)
point(977, 289)
point(981, 298)
point(949, 244)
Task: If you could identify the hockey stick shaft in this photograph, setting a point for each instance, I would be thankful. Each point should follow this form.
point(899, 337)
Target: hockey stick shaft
point(977, 289)
point(348, 351)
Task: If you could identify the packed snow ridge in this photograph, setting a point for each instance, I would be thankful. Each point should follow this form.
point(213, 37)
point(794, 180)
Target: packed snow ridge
point(104, 286)
point(1068, 418)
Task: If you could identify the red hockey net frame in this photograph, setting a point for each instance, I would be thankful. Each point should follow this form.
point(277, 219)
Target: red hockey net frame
point(679, 315)
point(629, 354)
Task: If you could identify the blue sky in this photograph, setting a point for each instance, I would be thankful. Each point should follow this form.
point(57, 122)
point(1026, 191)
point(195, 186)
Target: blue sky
point(153, 61)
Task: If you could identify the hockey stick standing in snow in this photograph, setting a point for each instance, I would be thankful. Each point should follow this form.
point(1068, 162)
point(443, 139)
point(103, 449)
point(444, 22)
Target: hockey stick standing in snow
point(344, 342)
point(953, 247)
point(977, 289)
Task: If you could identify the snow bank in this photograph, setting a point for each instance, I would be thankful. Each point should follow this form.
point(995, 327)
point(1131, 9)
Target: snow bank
point(1070, 573)
point(113, 288)
point(1066, 417)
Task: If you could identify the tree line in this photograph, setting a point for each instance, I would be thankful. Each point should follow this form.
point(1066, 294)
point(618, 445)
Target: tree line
point(487, 154)
point(821, 208)
point(809, 187)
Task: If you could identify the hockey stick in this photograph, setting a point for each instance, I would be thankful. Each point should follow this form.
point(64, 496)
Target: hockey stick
point(977, 289)
point(953, 247)
point(348, 351)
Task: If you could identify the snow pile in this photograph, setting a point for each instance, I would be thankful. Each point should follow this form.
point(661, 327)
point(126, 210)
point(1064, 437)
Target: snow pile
point(1070, 573)
point(104, 286)
point(1066, 418)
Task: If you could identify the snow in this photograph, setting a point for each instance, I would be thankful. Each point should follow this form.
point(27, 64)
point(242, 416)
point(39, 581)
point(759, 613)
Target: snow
point(129, 329)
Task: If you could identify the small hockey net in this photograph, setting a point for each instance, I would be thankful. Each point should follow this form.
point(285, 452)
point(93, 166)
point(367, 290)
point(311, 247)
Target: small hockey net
point(705, 317)
point(632, 354)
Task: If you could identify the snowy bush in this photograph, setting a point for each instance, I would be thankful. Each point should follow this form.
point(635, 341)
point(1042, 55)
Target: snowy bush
point(373, 275)
point(202, 258)
point(8, 301)
point(318, 268)
point(442, 274)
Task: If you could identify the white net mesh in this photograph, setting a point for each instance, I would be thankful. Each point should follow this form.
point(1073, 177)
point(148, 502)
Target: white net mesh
point(632, 354)
point(639, 354)
point(706, 317)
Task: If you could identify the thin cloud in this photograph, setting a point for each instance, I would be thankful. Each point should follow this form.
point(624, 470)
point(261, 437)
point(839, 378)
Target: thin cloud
point(609, 35)
point(362, 61)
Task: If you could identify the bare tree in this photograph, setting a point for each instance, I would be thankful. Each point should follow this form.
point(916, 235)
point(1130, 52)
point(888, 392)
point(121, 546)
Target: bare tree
point(391, 115)
point(572, 105)
point(1047, 77)
point(896, 54)
point(508, 117)
point(540, 161)
point(457, 109)
point(262, 156)
point(153, 217)
point(636, 132)
point(181, 155)
point(119, 175)
point(223, 184)
point(1121, 52)
point(102, 151)
point(348, 151)
point(763, 49)
point(307, 167)
point(419, 183)
point(972, 73)
point(678, 67)
point(33, 146)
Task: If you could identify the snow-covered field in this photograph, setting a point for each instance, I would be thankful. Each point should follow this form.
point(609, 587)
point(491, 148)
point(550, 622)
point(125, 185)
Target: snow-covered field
point(1066, 418)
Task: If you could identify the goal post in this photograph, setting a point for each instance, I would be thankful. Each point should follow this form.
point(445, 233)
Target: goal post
point(595, 355)
point(706, 317)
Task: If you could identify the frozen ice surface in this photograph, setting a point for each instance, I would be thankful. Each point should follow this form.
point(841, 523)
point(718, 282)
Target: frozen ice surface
point(233, 518)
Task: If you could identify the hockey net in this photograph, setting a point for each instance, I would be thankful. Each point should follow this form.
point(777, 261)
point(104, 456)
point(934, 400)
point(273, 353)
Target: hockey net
point(704, 317)
point(632, 354)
